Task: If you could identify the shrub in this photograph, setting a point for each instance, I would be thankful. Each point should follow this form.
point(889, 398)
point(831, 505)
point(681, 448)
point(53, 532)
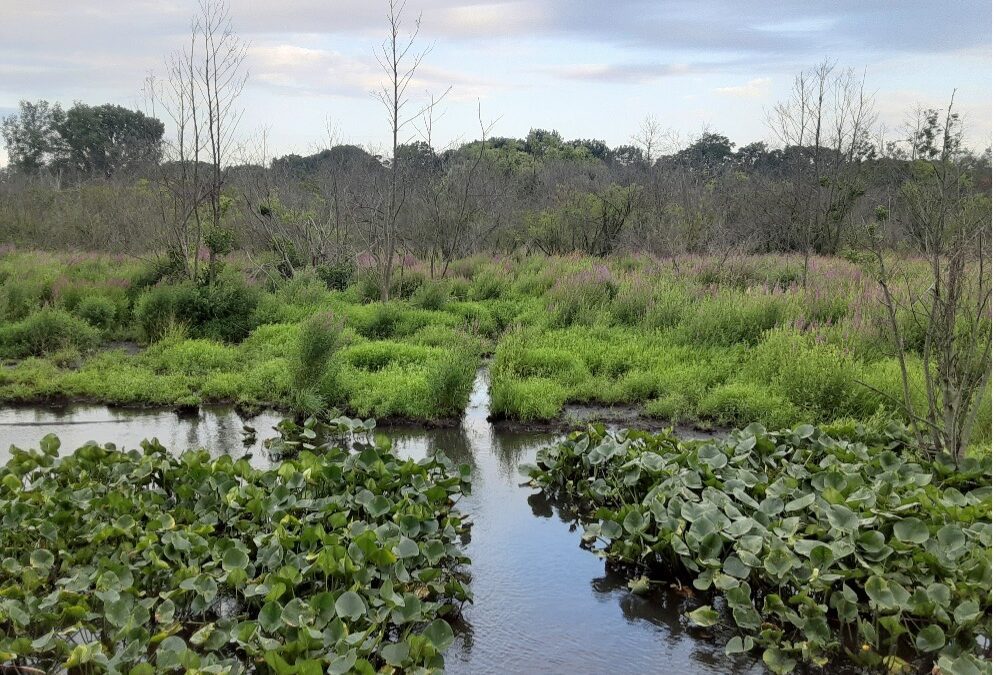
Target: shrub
point(47, 330)
point(741, 403)
point(432, 295)
point(190, 357)
point(19, 298)
point(488, 284)
point(97, 310)
point(374, 356)
point(671, 304)
point(337, 276)
point(223, 310)
point(405, 283)
point(155, 311)
point(368, 285)
point(305, 288)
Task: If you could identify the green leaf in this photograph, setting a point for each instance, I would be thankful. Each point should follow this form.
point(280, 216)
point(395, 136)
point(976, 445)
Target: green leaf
point(350, 606)
point(800, 502)
point(704, 616)
point(234, 559)
point(778, 661)
point(842, 518)
point(269, 617)
point(440, 634)
point(911, 531)
point(930, 638)
point(739, 645)
point(42, 558)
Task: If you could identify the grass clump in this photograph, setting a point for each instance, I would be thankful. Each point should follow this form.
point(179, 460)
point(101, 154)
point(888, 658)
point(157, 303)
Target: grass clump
point(44, 332)
point(534, 398)
point(312, 360)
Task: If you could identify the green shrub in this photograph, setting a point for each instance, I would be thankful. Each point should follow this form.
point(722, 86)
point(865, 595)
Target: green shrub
point(223, 310)
point(817, 378)
point(579, 299)
point(97, 310)
point(741, 403)
point(337, 276)
point(489, 283)
point(405, 283)
point(380, 321)
point(432, 295)
point(47, 330)
point(19, 298)
point(671, 304)
point(374, 356)
point(190, 357)
point(368, 285)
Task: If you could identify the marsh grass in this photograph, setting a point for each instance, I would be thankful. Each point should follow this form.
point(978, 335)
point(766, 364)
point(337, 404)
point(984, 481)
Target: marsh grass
point(695, 339)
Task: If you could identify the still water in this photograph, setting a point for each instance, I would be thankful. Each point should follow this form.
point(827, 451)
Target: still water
point(541, 603)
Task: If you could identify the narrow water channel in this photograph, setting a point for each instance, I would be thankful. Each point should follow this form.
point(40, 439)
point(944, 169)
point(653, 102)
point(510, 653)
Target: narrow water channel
point(541, 603)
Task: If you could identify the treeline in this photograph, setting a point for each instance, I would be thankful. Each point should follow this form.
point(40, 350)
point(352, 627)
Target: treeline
point(103, 177)
point(86, 177)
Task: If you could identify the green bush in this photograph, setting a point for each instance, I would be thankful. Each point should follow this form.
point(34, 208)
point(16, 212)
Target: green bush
point(432, 295)
point(98, 311)
point(450, 381)
point(741, 403)
point(817, 378)
point(46, 331)
point(632, 302)
point(190, 357)
point(488, 284)
point(337, 276)
point(223, 310)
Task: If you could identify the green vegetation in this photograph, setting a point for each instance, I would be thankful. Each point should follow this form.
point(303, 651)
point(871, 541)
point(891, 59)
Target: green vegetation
point(819, 542)
point(142, 561)
point(695, 340)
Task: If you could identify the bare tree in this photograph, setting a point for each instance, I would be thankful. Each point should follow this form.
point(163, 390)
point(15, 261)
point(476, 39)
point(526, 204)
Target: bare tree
point(950, 223)
point(649, 138)
point(199, 96)
point(825, 126)
point(399, 59)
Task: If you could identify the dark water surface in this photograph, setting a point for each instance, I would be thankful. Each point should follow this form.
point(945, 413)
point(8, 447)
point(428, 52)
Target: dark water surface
point(541, 603)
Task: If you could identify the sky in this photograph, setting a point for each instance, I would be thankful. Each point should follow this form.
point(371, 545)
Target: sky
point(587, 69)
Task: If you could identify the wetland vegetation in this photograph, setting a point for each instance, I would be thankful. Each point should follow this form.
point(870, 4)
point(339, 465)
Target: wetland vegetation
point(819, 304)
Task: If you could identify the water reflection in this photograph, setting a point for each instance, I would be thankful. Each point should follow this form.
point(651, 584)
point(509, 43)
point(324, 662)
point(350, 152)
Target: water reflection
point(541, 602)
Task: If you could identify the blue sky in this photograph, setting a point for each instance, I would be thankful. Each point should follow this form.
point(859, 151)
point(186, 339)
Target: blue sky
point(588, 69)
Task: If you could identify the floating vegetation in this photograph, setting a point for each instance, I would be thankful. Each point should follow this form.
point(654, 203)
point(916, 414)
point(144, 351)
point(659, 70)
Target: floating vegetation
point(817, 545)
point(341, 558)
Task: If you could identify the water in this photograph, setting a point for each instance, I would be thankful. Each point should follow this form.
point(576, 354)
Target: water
point(541, 602)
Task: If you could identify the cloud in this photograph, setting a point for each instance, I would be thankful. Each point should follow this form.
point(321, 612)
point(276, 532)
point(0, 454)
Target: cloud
point(759, 87)
point(621, 73)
